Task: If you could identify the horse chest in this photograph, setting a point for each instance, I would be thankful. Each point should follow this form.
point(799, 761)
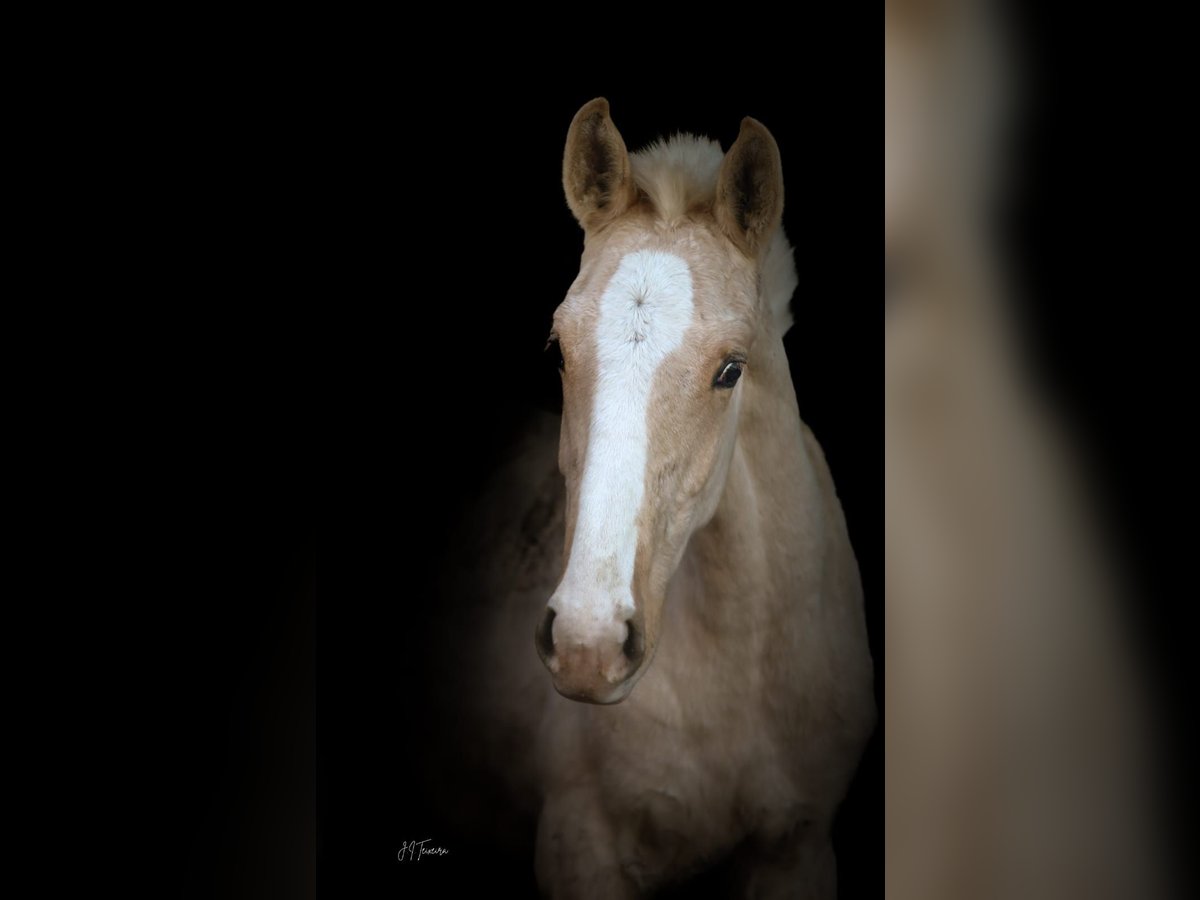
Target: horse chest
point(686, 776)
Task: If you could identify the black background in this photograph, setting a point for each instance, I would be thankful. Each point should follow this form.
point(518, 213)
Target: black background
point(364, 239)
point(399, 271)
point(482, 316)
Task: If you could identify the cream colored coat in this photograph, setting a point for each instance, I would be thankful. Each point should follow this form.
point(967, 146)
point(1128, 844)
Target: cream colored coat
point(747, 718)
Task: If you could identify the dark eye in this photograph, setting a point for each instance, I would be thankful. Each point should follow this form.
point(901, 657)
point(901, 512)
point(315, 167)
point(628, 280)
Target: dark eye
point(730, 372)
point(555, 352)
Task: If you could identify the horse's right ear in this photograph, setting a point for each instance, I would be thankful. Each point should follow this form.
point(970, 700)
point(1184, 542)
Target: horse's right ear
point(597, 177)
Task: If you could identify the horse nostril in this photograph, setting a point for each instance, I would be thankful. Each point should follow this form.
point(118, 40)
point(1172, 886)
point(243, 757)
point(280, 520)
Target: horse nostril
point(635, 646)
point(545, 634)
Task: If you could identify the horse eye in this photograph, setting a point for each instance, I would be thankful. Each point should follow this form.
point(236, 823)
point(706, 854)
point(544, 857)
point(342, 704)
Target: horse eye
point(553, 348)
point(729, 375)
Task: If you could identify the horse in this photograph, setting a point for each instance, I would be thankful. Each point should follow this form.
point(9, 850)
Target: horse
point(698, 687)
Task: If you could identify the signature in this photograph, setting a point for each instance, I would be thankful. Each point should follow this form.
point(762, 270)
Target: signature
point(414, 850)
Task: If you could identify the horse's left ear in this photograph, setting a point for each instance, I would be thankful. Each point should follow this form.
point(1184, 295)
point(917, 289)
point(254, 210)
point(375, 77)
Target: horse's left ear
point(749, 199)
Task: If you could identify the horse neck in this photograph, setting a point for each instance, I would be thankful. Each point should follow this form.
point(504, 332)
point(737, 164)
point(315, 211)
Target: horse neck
point(760, 557)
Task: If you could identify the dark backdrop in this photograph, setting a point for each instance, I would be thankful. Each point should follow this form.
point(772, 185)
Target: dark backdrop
point(373, 258)
point(369, 284)
point(446, 361)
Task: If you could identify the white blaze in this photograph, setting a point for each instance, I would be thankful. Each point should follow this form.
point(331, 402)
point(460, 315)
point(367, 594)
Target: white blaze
point(643, 315)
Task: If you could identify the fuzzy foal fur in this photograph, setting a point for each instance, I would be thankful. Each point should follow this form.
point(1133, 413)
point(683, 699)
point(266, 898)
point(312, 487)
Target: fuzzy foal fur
point(738, 730)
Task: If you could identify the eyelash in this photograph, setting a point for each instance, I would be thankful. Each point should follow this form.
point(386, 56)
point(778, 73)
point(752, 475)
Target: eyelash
point(552, 346)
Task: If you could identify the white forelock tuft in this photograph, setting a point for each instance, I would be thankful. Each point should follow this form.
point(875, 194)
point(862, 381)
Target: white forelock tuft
point(678, 173)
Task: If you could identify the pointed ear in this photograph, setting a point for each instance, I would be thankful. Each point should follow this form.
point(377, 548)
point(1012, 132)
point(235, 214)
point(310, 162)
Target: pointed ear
point(749, 198)
point(596, 174)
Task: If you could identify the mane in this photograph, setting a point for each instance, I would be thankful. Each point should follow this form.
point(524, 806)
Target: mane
point(679, 174)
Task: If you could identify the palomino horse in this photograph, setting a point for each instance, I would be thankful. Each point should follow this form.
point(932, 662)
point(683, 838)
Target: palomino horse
point(706, 606)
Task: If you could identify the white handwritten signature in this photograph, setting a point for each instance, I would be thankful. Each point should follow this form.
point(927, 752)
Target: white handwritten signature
point(414, 850)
